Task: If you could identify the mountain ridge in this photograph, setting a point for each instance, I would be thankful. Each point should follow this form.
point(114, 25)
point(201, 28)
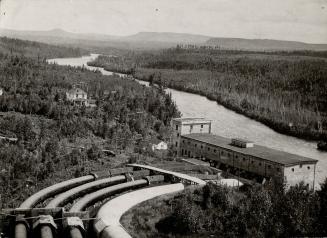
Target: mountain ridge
point(157, 40)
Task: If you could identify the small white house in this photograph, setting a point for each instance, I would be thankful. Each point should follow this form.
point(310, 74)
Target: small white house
point(161, 145)
point(76, 94)
point(79, 97)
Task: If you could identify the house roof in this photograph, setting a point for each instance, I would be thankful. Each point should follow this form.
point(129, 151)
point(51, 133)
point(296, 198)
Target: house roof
point(155, 141)
point(76, 91)
point(258, 151)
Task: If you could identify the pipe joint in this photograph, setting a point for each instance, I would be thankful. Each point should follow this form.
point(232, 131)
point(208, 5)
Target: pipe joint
point(20, 219)
point(45, 220)
point(74, 222)
point(99, 225)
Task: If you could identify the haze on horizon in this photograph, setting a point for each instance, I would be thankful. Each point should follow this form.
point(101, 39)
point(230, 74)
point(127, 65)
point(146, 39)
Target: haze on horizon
point(295, 20)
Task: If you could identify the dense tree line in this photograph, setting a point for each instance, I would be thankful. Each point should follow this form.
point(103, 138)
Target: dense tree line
point(51, 130)
point(258, 212)
point(37, 49)
point(284, 90)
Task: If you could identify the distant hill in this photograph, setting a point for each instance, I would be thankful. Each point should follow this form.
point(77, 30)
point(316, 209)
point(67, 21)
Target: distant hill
point(53, 35)
point(37, 49)
point(154, 40)
point(142, 40)
point(263, 44)
point(167, 37)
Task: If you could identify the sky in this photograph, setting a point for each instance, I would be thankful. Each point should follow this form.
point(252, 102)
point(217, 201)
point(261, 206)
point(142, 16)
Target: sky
point(299, 20)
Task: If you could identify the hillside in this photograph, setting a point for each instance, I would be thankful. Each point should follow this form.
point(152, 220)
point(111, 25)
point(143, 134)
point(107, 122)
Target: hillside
point(54, 34)
point(154, 40)
point(167, 37)
point(37, 49)
point(35, 110)
point(263, 44)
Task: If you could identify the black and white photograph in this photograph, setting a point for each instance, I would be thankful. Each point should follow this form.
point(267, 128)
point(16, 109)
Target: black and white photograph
point(163, 118)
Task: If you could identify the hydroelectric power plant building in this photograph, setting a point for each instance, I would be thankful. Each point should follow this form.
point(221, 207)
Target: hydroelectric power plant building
point(192, 138)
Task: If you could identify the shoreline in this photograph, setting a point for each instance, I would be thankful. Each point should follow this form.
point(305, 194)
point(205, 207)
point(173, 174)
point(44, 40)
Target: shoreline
point(276, 126)
point(282, 128)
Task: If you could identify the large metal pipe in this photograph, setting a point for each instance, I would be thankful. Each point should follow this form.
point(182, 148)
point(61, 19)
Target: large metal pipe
point(99, 195)
point(107, 224)
point(20, 228)
point(46, 232)
point(53, 190)
point(74, 232)
point(79, 191)
point(91, 198)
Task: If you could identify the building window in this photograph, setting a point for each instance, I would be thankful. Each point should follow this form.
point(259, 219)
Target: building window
point(252, 162)
point(243, 159)
point(176, 144)
point(201, 126)
point(222, 153)
point(308, 167)
point(292, 169)
point(182, 152)
point(177, 134)
point(201, 146)
point(208, 149)
point(176, 127)
point(214, 151)
point(300, 166)
point(269, 166)
point(77, 95)
point(195, 145)
point(259, 164)
point(188, 142)
point(236, 156)
point(191, 127)
point(278, 169)
point(183, 141)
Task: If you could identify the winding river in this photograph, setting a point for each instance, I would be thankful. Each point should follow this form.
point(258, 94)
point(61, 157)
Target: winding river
point(226, 122)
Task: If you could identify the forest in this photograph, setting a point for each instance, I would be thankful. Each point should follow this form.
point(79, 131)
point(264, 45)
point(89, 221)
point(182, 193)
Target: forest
point(51, 130)
point(284, 90)
point(220, 211)
point(37, 49)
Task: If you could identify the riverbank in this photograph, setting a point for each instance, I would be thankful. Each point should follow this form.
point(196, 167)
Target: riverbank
point(244, 108)
point(286, 93)
point(279, 126)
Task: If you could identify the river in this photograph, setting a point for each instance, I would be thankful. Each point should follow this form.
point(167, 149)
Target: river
point(226, 122)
